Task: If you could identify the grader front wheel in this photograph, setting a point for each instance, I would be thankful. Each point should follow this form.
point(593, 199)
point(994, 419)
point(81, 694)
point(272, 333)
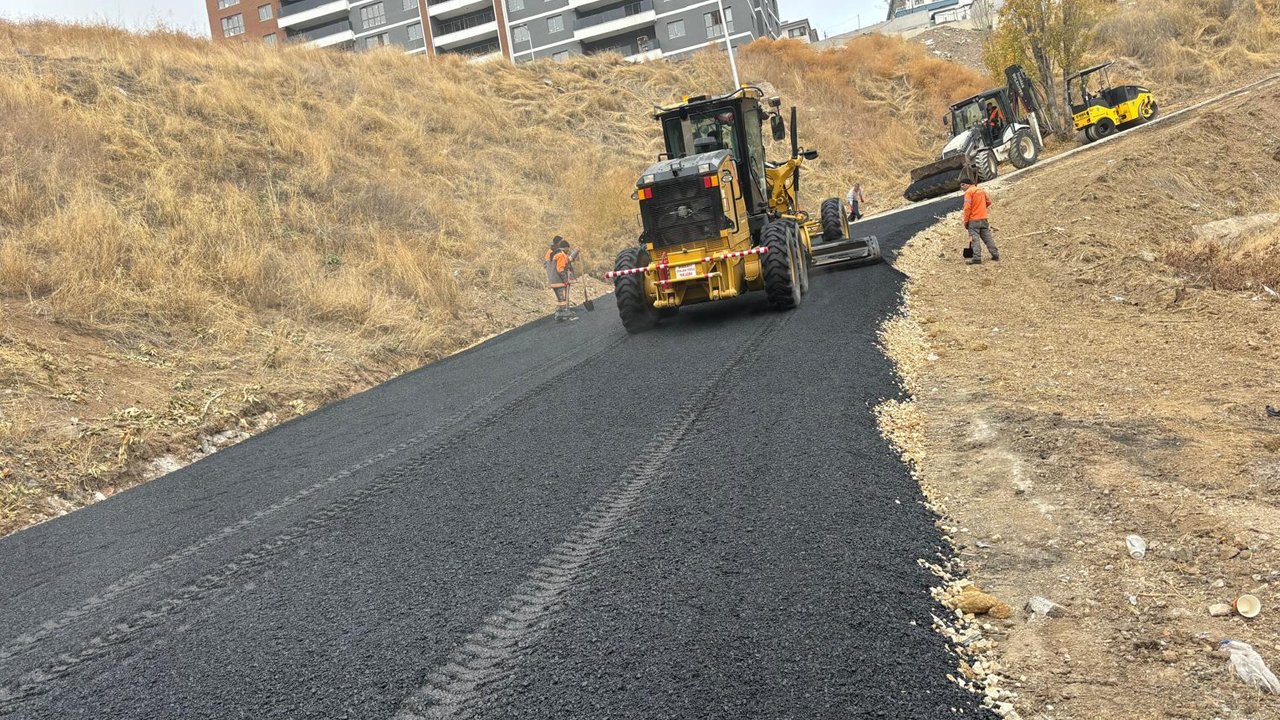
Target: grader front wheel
point(835, 219)
point(782, 282)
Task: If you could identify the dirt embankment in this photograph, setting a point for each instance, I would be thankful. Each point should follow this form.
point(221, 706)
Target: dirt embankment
point(1099, 383)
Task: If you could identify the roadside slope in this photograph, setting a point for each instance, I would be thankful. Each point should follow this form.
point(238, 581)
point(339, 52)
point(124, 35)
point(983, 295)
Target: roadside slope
point(1095, 384)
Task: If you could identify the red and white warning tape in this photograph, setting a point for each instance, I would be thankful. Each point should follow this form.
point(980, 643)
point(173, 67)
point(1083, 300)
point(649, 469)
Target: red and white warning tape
point(663, 266)
point(741, 253)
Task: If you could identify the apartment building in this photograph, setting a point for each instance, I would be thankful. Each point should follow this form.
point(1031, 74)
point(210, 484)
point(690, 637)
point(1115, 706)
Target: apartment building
point(900, 8)
point(244, 20)
point(638, 29)
point(523, 30)
point(800, 30)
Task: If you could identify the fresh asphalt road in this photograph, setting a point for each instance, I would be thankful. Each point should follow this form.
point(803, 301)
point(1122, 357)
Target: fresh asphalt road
point(565, 522)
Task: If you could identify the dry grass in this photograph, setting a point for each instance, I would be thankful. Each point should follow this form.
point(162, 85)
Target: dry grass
point(192, 236)
point(1192, 48)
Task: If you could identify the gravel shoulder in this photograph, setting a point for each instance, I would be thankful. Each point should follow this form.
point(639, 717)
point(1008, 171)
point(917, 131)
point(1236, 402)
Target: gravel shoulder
point(1083, 390)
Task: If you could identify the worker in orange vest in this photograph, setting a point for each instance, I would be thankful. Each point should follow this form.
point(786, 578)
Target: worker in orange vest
point(977, 220)
point(559, 263)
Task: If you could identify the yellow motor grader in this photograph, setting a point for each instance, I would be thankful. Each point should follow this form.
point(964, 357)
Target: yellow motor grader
point(719, 221)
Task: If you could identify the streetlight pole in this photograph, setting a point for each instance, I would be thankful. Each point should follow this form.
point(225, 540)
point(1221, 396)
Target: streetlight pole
point(728, 45)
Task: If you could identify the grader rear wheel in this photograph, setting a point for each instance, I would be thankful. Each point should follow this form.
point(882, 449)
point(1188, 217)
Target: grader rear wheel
point(634, 307)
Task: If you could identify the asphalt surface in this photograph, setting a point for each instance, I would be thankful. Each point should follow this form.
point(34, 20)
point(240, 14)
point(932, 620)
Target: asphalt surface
point(565, 522)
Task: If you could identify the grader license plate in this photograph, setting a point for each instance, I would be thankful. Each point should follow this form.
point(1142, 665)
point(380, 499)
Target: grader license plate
point(684, 272)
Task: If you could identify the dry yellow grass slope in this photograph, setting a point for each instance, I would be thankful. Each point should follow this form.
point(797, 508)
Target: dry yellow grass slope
point(194, 238)
point(1189, 49)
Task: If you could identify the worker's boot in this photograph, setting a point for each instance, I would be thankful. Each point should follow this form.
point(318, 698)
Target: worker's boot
point(975, 260)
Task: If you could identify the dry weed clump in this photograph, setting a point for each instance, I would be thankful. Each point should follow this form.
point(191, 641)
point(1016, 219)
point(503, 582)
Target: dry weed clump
point(1187, 48)
point(242, 230)
point(1226, 258)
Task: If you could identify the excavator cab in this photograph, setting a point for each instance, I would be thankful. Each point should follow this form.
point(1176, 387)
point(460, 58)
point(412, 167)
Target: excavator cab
point(990, 112)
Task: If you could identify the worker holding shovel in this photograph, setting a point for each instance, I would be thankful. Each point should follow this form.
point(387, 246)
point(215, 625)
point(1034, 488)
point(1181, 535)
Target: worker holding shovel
point(561, 275)
point(977, 221)
point(559, 263)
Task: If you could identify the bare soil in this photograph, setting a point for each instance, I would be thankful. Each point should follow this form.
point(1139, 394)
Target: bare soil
point(1082, 390)
point(957, 44)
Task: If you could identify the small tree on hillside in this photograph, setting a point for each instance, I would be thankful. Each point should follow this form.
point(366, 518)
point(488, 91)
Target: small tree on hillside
point(1049, 38)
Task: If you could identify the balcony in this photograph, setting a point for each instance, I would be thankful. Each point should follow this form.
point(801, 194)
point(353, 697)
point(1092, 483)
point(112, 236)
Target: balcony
point(334, 39)
point(620, 19)
point(491, 57)
point(312, 12)
point(586, 6)
point(331, 33)
point(646, 56)
point(454, 8)
point(466, 30)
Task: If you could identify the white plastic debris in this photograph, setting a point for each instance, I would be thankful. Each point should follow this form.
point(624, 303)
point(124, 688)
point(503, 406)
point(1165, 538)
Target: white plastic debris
point(1137, 546)
point(1248, 665)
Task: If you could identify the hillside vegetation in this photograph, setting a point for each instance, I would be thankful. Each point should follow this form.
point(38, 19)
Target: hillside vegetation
point(196, 240)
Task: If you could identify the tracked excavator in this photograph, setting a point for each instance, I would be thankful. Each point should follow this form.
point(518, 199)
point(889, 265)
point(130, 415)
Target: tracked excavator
point(999, 126)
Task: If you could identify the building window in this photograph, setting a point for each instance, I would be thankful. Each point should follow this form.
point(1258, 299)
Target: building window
point(233, 26)
point(269, 40)
point(265, 13)
point(520, 33)
point(224, 4)
point(675, 29)
point(375, 41)
point(714, 28)
point(373, 15)
point(515, 5)
point(561, 56)
point(410, 5)
point(555, 24)
point(728, 19)
point(415, 31)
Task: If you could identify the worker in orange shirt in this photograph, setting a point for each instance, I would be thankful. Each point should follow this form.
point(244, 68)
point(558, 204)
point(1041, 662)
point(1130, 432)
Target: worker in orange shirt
point(977, 220)
point(559, 263)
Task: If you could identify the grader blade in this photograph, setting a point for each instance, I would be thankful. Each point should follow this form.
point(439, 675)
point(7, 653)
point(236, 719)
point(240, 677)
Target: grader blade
point(855, 251)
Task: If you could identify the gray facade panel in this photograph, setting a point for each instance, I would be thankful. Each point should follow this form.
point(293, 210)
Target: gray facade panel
point(533, 8)
point(395, 26)
point(392, 10)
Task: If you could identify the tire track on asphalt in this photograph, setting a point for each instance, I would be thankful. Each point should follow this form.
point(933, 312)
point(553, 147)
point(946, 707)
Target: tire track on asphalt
point(478, 671)
point(33, 682)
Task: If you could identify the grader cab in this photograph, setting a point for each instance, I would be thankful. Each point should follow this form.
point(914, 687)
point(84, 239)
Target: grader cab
point(718, 219)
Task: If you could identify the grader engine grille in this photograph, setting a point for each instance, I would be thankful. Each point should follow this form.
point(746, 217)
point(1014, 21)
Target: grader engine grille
point(682, 212)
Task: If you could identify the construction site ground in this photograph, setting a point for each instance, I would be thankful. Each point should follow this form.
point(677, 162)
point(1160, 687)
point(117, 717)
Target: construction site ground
point(1085, 389)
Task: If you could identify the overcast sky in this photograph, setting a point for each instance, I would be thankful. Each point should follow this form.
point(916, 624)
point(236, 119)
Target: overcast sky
point(829, 16)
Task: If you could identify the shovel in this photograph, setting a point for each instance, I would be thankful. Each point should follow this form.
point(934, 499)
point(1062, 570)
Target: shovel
point(587, 302)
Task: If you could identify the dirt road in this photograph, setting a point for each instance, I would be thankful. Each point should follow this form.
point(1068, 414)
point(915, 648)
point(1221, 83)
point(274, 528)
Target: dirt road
point(1089, 387)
